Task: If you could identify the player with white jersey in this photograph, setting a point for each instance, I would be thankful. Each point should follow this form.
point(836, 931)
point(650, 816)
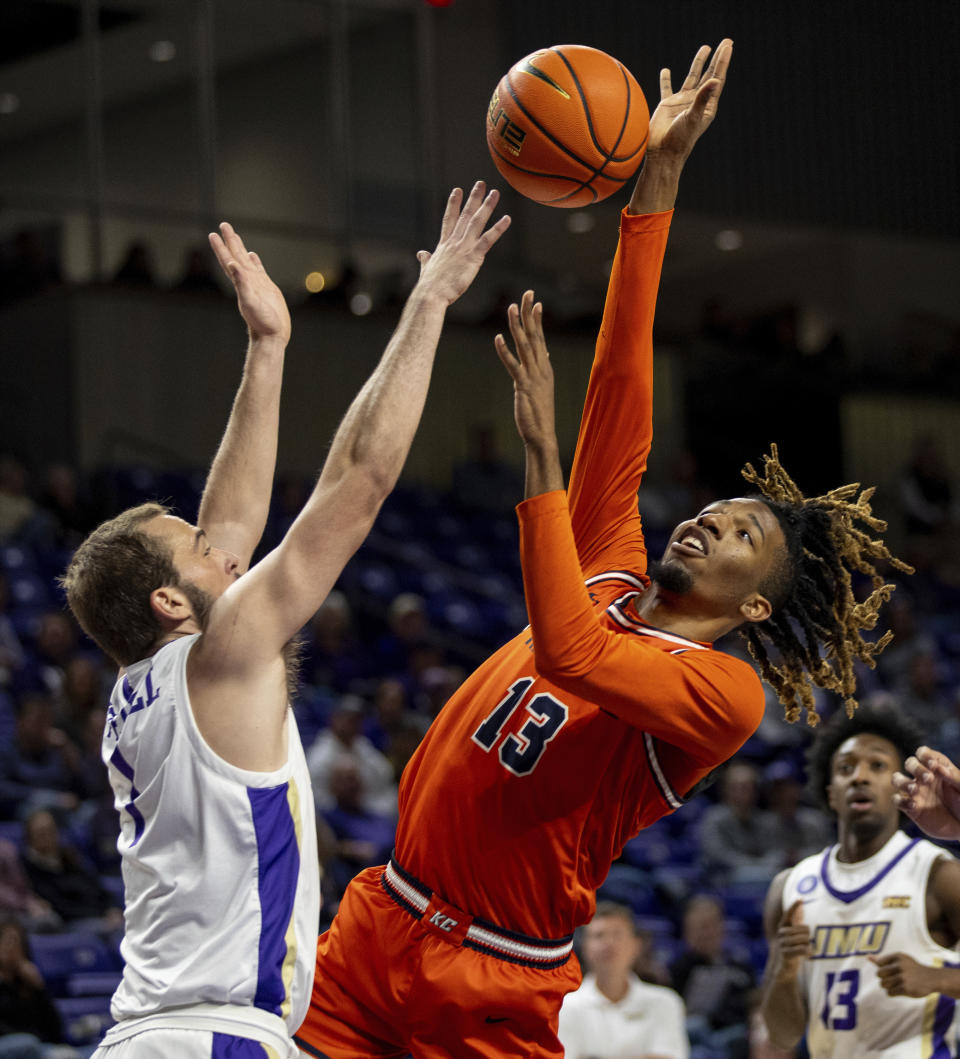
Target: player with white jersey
point(863, 935)
point(218, 832)
point(220, 862)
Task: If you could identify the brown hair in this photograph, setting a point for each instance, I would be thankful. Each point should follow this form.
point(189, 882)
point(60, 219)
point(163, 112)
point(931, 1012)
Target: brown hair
point(828, 540)
point(109, 581)
point(615, 910)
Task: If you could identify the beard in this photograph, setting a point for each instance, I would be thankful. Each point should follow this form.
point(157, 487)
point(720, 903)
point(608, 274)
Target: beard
point(671, 577)
point(200, 600)
point(202, 603)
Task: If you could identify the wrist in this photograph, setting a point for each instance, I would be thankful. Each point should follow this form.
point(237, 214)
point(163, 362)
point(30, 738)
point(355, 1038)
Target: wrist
point(785, 975)
point(267, 345)
point(426, 296)
point(944, 980)
point(542, 447)
point(657, 184)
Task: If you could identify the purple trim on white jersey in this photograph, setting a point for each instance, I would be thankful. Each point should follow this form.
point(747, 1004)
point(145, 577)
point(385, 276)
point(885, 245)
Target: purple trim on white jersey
point(848, 896)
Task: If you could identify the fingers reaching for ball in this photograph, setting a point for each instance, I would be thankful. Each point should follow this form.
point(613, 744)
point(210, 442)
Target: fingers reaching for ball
point(260, 301)
point(465, 238)
point(528, 365)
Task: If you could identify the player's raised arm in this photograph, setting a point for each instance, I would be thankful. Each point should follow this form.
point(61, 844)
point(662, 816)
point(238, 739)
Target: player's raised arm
point(236, 497)
point(616, 429)
point(533, 394)
point(782, 1006)
point(256, 616)
point(681, 118)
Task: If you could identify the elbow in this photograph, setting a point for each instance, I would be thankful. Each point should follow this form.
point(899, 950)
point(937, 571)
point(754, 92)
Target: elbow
point(374, 478)
point(365, 487)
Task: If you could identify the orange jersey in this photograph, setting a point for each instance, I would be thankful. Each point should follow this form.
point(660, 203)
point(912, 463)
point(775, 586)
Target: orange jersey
point(589, 725)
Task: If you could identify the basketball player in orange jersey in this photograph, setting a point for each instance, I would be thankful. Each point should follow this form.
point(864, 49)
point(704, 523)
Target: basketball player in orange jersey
point(602, 716)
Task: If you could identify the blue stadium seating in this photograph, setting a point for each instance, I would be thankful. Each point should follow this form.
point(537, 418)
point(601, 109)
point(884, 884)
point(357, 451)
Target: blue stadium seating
point(60, 956)
point(85, 1018)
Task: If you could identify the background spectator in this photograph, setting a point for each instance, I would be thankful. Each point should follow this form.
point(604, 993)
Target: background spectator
point(343, 741)
point(39, 768)
point(27, 1014)
point(797, 830)
point(19, 515)
point(716, 985)
point(362, 837)
point(614, 1015)
point(737, 837)
point(70, 512)
point(12, 655)
point(17, 899)
point(333, 655)
point(60, 877)
point(54, 646)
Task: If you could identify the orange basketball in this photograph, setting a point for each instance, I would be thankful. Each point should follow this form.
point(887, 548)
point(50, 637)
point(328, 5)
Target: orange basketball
point(567, 125)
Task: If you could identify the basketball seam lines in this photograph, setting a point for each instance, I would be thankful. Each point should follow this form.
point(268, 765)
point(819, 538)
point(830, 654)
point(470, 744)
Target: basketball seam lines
point(583, 185)
point(536, 124)
point(609, 155)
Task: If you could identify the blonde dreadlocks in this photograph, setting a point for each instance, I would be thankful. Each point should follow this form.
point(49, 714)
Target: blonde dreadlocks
point(812, 592)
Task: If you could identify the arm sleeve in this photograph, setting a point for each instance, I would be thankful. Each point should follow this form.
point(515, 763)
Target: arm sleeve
point(617, 426)
point(704, 701)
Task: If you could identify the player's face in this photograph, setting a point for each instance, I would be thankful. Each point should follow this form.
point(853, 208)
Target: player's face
point(861, 782)
point(610, 945)
point(726, 551)
point(211, 570)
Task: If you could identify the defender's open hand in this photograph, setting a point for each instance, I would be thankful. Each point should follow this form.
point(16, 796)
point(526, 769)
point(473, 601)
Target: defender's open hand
point(262, 306)
point(464, 242)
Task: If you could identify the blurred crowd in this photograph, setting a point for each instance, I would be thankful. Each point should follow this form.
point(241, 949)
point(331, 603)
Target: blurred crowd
point(431, 593)
point(433, 590)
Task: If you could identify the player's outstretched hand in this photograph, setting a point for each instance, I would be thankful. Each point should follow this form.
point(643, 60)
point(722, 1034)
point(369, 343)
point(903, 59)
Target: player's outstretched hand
point(262, 306)
point(531, 371)
point(791, 944)
point(683, 116)
point(929, 793)
point(901, 975)
point(464, 242)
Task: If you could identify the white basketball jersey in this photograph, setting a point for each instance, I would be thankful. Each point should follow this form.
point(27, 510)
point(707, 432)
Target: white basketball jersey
point(219, 864)
point(872, 908)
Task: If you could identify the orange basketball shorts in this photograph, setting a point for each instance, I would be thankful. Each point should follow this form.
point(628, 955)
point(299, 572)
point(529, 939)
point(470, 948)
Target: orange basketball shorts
point(395, 977)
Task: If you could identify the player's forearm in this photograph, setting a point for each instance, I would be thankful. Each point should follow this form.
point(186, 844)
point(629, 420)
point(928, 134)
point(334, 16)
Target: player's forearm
point(236, 497)
point(783, 1011)
point(543, 471)
point(656, 187)
point(616, 426)
point(945, 980)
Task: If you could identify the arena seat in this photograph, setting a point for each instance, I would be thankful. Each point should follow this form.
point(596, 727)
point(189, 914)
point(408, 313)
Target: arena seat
point(85, 1018)
point(60, 956)
point(93, 984)
point(12, 831)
